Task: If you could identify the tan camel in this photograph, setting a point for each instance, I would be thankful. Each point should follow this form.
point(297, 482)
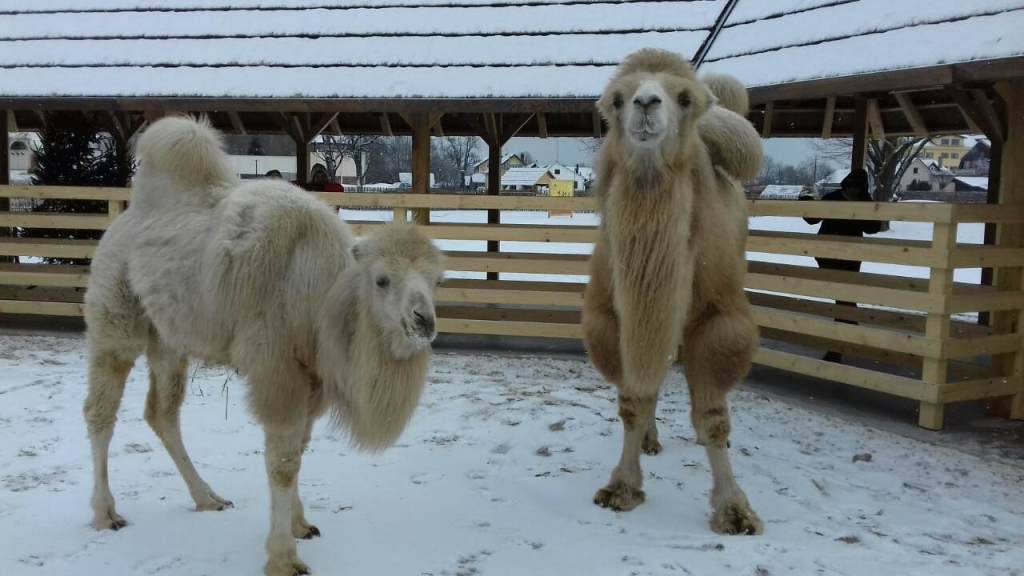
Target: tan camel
point(266, 279)
point(668, 266)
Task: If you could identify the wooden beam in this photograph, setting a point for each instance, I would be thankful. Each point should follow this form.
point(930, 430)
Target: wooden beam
point(236, 122)
point(992, 118)
point(492, 128)
point(766, 124)
point(875, 120)
point(966, 107)
point(5, 175)
point(860, 134)
point(913, 115)
point(385, 125)
point(978, 121)
point(493, 189)
point(1011, 193)
point(12, 122)
point(319, 124)
point(301, 162)
point(542, 125)
point(420, 123)
point(41, 114)
point(335, 126)
point(830, 115)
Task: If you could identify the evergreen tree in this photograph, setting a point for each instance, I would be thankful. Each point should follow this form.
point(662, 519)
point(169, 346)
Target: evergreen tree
point(73, 151)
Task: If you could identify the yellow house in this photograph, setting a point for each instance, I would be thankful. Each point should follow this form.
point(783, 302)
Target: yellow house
point(946, 150)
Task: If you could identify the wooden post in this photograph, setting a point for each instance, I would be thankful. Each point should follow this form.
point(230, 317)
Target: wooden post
point(860, 135)
point(1011, 193)
point(493, 189)
point(937, 326)
point(420, 162)
point(301, 161)
point(5, 175)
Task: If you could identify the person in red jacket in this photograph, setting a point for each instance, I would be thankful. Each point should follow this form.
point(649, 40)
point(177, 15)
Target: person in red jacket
point(320, 182)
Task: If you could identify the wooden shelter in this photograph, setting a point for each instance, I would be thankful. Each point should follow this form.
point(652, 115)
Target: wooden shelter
point(504, 68)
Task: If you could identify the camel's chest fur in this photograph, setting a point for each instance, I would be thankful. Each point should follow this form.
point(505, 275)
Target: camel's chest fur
point(648, 232)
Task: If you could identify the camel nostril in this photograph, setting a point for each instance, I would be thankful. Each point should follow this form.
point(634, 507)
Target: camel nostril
point(424, 322)
point(647, 101)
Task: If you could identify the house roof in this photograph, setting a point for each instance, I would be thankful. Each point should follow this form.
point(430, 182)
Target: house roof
point(976, 182)
point(363, 49)
point(522, 176)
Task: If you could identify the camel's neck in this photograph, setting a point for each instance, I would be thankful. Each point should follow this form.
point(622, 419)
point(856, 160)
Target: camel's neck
point(371, 392)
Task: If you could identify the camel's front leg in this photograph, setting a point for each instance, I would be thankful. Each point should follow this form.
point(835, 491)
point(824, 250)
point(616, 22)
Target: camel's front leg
point(648, 341)
point(284, 459)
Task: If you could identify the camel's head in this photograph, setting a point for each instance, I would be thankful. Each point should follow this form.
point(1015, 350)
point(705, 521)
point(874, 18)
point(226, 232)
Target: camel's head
point(654, 101)
point(400, 268)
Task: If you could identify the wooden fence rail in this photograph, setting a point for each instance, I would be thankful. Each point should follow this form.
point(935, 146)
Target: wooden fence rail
point(918, 338)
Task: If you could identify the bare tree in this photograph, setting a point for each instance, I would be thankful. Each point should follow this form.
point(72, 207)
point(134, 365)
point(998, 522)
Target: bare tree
point(458, 155)
point(334, 149)
point(887, 160)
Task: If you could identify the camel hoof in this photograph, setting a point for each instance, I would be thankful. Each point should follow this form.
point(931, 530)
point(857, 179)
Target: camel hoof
point(292, 567)
point(213, 502)
point(651, 446)
point(110, 521)
point(311, 532)
point(619, 496)
point(734, 518)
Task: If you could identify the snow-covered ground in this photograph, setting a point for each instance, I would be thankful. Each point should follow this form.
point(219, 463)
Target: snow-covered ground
point(494, 477)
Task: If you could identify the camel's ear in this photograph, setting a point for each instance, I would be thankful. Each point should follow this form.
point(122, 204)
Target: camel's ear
point(358, 251)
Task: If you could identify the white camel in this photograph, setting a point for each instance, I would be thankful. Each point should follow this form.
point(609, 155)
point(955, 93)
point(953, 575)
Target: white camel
point(266, 279)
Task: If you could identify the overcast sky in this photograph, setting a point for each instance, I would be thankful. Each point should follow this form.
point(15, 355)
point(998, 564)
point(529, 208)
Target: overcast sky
point(571, 151)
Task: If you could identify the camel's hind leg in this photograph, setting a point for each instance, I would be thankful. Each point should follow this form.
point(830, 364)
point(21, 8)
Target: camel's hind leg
point(718, 348)
point(108, 372)
point(300, 527)
point(167, 375)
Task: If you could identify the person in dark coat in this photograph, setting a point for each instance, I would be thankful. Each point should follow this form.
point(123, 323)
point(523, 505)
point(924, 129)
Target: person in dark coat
point(853, 188)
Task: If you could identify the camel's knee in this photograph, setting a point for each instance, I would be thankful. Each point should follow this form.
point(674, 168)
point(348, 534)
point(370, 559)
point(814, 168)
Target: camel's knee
point(722, 345)
point(601, 339)
point(635, 411)
point(107, 375)
point(166, 394)
point(712, 425)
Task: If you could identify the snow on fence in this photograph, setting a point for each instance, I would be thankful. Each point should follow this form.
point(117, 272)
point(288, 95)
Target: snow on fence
point(908, 338)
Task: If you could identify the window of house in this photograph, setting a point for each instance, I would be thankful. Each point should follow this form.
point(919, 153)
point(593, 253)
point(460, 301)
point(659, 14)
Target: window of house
point(945, 155)
point(915, 171)
point(18, 146)
point(956, 141)
point(945, 141)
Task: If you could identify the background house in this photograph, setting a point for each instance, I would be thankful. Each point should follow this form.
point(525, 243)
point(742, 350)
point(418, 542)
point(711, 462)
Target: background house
point(507, 161)
point(946, 150)
point(526, 180)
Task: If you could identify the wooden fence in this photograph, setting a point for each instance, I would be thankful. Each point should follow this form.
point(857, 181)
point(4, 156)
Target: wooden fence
point(912, 337)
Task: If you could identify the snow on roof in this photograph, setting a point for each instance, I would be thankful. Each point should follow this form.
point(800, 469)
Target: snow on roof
point(522, 176)
point(834, 177)
point(767, 43)
point(466, 48)
point(341, 48)
point(780, 192)
point(979, 182)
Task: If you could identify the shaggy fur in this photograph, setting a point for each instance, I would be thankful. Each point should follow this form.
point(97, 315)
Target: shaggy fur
point(668, 266)
point(266, 279)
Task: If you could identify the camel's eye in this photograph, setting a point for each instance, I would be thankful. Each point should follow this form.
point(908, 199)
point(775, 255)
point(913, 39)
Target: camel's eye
point(684, 99)
point(617, 101)
point(383, 281)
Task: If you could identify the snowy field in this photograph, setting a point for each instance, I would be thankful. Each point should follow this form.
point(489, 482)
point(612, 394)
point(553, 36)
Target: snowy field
point(494, 477)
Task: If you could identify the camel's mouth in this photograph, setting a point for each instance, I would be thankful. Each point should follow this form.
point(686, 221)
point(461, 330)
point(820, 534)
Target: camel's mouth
point(417, 336)
point(646, 136)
